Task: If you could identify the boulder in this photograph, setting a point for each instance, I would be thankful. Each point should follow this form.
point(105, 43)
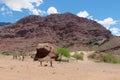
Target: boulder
point(45, 50)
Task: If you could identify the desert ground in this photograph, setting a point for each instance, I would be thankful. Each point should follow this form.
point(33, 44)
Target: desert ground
point(74, 70)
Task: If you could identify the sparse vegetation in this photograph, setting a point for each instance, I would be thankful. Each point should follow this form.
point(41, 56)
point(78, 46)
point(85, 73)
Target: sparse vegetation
point(109, 58)
point(6, 53)
point(62, 52)
point(104, 58)
point(78, 56)
point(92, 55)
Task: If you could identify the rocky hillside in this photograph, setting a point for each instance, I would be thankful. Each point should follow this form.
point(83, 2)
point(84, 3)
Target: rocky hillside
point(112, 46)
point(62, 30)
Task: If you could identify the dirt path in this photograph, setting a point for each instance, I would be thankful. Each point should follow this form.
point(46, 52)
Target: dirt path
point(82, 70)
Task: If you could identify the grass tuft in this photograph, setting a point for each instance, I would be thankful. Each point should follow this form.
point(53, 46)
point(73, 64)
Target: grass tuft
point(78, 56)
point(110, 59)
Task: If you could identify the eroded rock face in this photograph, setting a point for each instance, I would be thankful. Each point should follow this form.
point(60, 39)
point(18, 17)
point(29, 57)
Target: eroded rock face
point(63, 30)
point(44, 50)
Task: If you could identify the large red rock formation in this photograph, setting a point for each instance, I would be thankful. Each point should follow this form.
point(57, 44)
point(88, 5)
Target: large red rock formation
point(45, 50)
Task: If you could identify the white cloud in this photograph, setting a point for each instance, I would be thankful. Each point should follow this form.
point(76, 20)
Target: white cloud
point(42, 12)
point(7, 13)
point(84, 14)
point(38, 2)
point(2, 9)
point(107, 22)
point(115, 31)
point(30, 5)
point(52, 10)
point(37, 12)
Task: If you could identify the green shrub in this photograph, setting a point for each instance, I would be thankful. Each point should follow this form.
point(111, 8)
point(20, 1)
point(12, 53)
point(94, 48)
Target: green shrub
point(109, 59)
point(63, 52)
point(104, 58)
point(78, 56)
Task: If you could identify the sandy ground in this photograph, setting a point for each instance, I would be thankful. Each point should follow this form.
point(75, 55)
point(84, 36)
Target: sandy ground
point(74, 70)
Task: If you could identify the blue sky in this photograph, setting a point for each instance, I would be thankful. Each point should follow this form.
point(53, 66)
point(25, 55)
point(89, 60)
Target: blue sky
point(105, 12)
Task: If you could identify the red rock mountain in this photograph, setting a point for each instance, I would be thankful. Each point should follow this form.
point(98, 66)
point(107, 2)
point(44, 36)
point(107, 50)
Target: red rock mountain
point(63, 30)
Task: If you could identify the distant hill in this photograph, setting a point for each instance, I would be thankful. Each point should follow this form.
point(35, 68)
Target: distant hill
point(4, 23)
point(112, 46)
point(63, 30)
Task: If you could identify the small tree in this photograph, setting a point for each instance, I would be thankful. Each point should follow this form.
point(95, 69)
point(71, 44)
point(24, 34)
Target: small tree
point(63, 52)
